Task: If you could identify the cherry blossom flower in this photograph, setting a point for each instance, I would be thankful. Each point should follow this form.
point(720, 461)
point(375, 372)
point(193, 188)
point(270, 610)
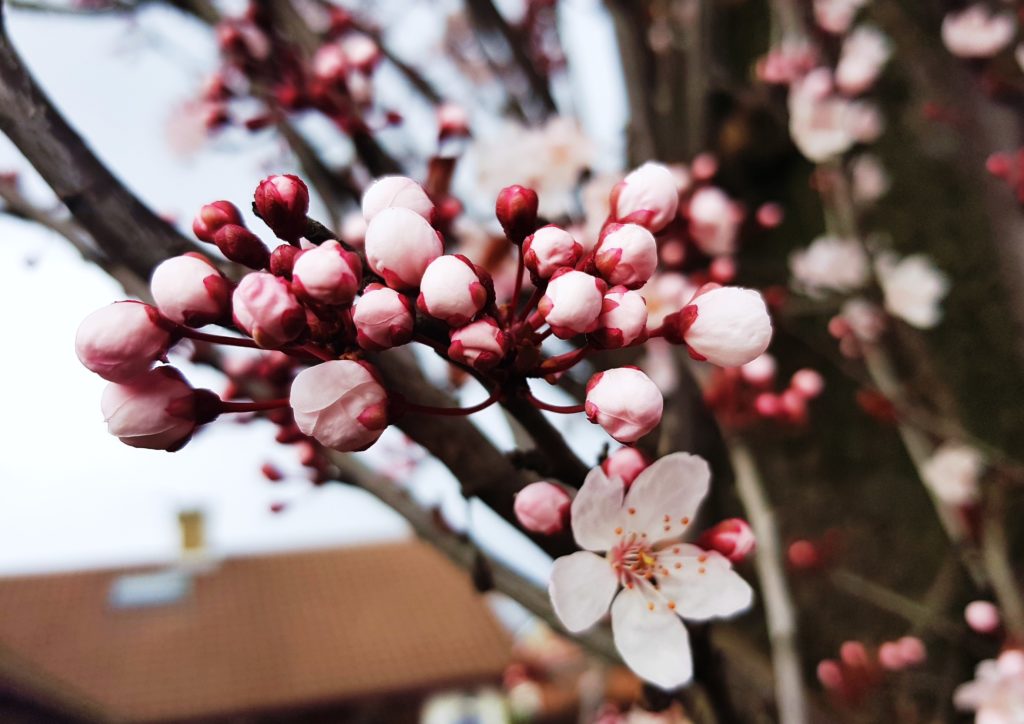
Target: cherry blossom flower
point(820, 122)
point(648, 578)
point(996, 694)
point(714, 221)
point(836, 16)
point(870, 179)
point(913, 288)
point(830, 264)
point(865, 52)
point(977, 32)
point(952, 473)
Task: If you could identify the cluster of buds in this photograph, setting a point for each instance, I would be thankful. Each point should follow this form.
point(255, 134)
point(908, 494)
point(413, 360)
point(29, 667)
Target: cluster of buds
point(328, 307)
point(745, 395)
point(858, 672)
point(335, 80)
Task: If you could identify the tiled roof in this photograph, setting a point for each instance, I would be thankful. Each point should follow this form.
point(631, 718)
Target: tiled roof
point(255, 634)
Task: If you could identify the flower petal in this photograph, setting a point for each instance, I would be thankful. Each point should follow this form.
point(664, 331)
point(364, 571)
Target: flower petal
point(596, 511)
point(654, 644)
point(665, 496)
point(704, 585)
point(582, 586)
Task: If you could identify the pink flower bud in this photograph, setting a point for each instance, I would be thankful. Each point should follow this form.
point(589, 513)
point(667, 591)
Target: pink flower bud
point(808, 383)
point(481, 344)
point(625, 463)
point(542, 508)
point(572, 303)
point(265, 308)
point(188, 289)
point(329, 63)
point(122, 340)
point(361, 51)
point(451, 290)
point(912, 650)
point(648, 196)
point(327, 274)
point(282, 260)
point(396, 191)
point(625, 402)
point(282, 202)
point(452, 120)
point(155, 410)
point(982, 616)
point(889, 656)
point(727, 326)
point(341, 404)
point(213, 216)
point(830, 675)
point(627, 254)
point(768, 405)
point(400, 244)
point(732, 538)
point(241, 245)
point(516, 209)
point(353, 230)
point(714, 221)
point(623, 319)
point(549, 249)
point(770, 215)
point(759, 371)
point(383, 318)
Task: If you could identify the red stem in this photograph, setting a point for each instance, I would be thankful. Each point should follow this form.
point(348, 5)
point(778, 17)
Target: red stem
point(216, 338)
point(563, 409)
point(407, 406)
point(228, 406)
point(562, 362)
point(531, 303)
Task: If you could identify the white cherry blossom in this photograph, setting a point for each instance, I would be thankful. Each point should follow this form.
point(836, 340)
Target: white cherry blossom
point(646, 575)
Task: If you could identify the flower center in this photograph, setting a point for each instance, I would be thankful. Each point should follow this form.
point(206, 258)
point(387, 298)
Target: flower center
point(634, 559)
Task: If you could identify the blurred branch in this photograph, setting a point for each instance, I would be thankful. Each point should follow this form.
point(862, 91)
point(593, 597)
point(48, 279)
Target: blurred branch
point(778, 605)
point(122, 226)
point(995, 552)
point(630, 34)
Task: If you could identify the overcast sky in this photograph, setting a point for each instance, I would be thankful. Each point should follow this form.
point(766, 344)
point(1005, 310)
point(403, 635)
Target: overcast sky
point(72, 496)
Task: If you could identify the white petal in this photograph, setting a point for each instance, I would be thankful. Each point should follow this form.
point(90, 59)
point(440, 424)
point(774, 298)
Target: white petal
point(704, 585)
point(654, 644)
point(665, 495)
point(596, 511)
point(582, 586)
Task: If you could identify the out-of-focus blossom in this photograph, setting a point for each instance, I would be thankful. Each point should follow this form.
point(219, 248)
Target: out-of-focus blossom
point(714, 221)
point(594, 195)
point(996, 694)
point(759, 371)
point(863, 319)
point(870, 179)
point(820, 122)
point(666, 292)
point(977, 31)
point(830, 264)
point(647, 578)
point(791, 59)
point(865, 52)
point(542, 508)
point(548, 159)
point(836, 16)
point(982, 616)
point(625, 402)
point(953, 473)
point(913, 288)
point(341, 404)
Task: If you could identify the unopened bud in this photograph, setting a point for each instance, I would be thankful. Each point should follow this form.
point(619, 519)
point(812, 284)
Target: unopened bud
point(188, 289)
point(265, 308)
point(625, 402)
point(383, 318)
point(122, 340)
point(451, 290)
point(341, 404)
point(626, 255)
point(241, 245)
point(732, 538)
point(572, 303)
point(282, 201)
point(400, 244)
point(396, 191)
point(549, 249)
point(625, 463)
point(648, 196)
point(481, 344)
point(157, 410)
point(623, 319)
point(327, 274)
point(212, 217)
point(542, 508)
point(516, 209)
